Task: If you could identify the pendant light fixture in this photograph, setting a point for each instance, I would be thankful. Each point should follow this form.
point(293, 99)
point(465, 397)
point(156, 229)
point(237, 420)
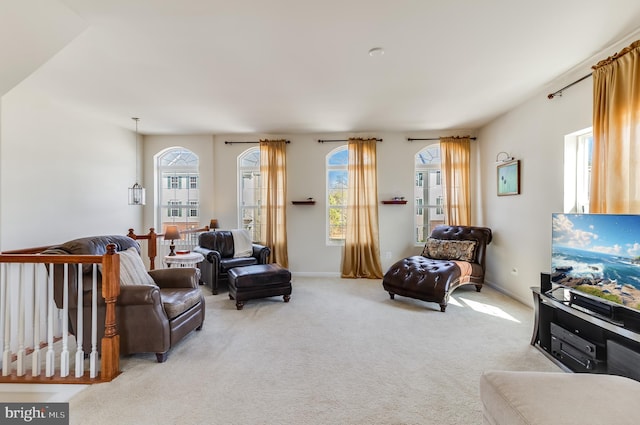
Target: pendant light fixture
point(136, 192)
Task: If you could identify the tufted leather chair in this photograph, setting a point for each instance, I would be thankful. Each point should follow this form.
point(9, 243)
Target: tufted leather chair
point(218, 250)
point(150, 319)
point(434, 280)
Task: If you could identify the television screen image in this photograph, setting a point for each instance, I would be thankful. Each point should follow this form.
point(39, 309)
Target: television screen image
point(599, 255)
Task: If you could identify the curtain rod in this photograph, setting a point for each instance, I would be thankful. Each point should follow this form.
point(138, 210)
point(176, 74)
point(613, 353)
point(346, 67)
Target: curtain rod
point(559, 92)
point(233, 143)
point(338, 140)
point(435, 138)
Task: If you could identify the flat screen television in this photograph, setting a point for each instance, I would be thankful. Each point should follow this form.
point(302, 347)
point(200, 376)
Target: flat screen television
point(597, 258)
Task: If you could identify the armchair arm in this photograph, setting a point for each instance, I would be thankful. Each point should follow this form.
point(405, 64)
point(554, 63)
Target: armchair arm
point(210, 255)
point(178, 277)
point(139, 295)
point(261, 252)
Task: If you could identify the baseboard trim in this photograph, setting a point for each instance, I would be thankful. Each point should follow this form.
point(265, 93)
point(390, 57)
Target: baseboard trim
point(315, 274)
point(501, 289)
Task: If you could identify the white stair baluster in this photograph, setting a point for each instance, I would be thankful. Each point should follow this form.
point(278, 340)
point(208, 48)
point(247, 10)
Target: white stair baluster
point(93, 358)
point(64, 354)
point(35, 356)
point(50, 359)
point(20, 360)
point(80, 325)
point(6, 294)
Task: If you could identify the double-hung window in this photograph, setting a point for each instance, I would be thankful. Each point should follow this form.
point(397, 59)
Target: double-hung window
point(428, 195)
point(178, 190)
point(250, 192)
point(337, 185)
point(578, 148)
point(174, 209)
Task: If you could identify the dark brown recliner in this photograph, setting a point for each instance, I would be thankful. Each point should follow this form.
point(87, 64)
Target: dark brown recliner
point(434, 279)
point(218, 250)
point(150, 319)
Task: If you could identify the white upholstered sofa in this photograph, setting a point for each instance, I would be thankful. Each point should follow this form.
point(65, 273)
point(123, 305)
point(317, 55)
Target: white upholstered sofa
point(516, 398)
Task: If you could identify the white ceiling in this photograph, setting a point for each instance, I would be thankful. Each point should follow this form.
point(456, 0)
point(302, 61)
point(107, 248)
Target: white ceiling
point(287, 66)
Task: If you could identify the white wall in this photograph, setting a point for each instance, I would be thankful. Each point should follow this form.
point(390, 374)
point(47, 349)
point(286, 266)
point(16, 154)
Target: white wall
point(28, 39)
point(533, 133)
point(306, 224)
point(21, 53)
point(63, 174)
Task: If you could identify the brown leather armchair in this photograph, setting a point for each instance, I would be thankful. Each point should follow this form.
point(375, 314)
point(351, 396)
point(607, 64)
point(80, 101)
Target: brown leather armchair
point(150, 318)
point(453, 256)
point(218, 250)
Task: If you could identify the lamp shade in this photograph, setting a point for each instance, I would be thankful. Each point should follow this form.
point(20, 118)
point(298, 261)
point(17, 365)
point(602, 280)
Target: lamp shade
point(172, 233)
point(214, 224)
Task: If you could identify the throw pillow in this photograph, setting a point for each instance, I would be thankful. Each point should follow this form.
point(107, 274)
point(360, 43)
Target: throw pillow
point(132, 270)
point(445, 249)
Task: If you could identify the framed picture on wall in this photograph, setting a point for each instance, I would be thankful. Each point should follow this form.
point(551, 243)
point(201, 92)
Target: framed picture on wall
point(509, 178)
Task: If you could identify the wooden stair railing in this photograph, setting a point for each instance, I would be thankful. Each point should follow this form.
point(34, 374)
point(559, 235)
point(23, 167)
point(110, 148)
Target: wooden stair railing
point(152, 238)
point(13, 362)
point(110, 344)
point(152, 247)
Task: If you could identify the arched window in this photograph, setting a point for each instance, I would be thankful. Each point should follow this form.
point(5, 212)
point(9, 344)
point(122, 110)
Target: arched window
point(428, 192)
point(178, 189)
point(250, 195)
point(337, 185)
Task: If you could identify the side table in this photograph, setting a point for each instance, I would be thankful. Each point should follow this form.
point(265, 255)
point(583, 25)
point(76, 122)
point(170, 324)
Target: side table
point(184, 260)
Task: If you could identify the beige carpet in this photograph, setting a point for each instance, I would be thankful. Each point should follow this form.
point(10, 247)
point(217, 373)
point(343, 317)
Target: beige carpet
point(341, 352)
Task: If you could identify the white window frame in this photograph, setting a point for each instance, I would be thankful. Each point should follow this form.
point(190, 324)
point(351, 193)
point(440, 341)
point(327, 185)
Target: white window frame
point(175, 200)
point(422, 170)
point(194, 208)
point(577, 170)
point(331, 168)
point(250, 210)
point(175, 209)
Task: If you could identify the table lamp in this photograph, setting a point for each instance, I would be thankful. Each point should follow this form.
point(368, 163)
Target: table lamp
point(214, 224)
point(172, 233)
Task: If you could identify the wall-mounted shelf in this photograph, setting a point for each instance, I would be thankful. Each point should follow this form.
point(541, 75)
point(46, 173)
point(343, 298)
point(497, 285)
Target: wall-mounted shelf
point(303, 202)
point(394, 201)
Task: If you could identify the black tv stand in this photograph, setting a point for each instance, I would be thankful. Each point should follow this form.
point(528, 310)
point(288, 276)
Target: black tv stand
point(580, 340)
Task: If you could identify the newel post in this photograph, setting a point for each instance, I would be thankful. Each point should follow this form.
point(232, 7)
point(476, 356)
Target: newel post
point(152, 248)
point(110, 363)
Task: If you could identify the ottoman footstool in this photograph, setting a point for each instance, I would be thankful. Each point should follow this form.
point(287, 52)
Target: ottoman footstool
point(259, 281)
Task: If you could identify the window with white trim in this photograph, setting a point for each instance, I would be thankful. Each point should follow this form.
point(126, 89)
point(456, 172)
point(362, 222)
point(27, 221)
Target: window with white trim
point(250, 192)
point(174, 209)
point(337, 184)
point(173, 182)
point(178, 194)
point(578, 149)
point(194, 210)
point(428, 196)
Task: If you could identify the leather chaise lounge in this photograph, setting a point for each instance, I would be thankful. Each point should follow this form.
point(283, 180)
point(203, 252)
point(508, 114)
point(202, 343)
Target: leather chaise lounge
point(453, 256)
